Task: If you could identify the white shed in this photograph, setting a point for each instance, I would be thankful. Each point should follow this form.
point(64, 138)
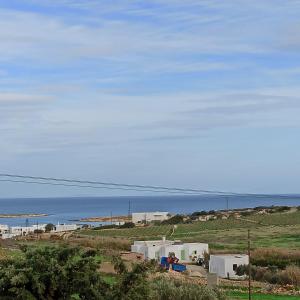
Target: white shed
point(145, 217)
point(226, 265)
point(65, 227)
point(4, 228)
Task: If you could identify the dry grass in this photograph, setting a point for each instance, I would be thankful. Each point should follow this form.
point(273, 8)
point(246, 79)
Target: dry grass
point(101, 243)
point(275, 256)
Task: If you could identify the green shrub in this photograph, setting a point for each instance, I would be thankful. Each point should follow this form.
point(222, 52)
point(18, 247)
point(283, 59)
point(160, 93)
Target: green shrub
point(280, 258)
point(50, 273)
point(166, 288)
point(177, 219)
point(128, 225)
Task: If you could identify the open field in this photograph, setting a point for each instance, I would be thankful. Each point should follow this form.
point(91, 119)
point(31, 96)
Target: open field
point(240, 295)
point(275, 230)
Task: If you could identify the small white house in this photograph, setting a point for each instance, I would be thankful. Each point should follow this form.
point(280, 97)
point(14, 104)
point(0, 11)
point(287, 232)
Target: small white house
point(4, 228)
point(226, 265)
point(145, 217)
point(5, 236)
point(64, 227)
point(186, 252)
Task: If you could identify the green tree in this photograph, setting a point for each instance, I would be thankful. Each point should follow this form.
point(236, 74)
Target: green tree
point(52, 273)
point(49, 227)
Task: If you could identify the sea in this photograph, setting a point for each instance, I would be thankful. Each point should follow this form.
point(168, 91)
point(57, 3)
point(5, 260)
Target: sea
point(72, 209)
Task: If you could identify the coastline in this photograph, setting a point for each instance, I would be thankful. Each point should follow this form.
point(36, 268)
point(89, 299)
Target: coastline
point(22, 215)
point(106, 219)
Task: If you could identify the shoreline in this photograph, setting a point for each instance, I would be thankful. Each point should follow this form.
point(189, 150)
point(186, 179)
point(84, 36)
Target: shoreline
point(106, 219)
point(224, 212)
point(3, 216)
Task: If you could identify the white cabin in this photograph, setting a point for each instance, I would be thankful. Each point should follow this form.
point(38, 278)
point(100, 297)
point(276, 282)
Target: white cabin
point(65, 227)
point(4, 228)
point(226, 265)
point(146, 217)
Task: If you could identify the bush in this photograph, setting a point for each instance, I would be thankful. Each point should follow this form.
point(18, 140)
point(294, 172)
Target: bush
point(112, 226)
point(199, 213)
point(52, 273)
point(291, 275)
point(128, 225)
point(166, 288)
point(49, 227)
point(177, 219)
point(280, 258)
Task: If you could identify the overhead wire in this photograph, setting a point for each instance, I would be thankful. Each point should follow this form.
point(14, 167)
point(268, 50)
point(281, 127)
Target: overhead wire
point(134, 187)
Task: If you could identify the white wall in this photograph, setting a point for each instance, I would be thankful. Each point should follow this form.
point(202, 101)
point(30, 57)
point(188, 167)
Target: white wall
point(196, 250)
point(149, 216)
point(157, 249)
point(65, 227)
point(223, 264)
point(217, 265)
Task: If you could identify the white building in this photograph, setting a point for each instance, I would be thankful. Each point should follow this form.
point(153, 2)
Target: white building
point(25, 230)
point(145, 217)
point(4, 228)
point(226, 265)
point(5, 236)
point(186, 252)
point(64, 227)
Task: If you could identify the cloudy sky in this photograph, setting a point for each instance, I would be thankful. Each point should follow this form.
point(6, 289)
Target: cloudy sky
point(194, 93)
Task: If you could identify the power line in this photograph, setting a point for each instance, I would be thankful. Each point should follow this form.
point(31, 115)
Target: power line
point(89, 186)
point(152, 187)
point(131, 187)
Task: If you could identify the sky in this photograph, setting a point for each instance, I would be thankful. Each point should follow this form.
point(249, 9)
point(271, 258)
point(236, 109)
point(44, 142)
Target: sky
point(195, 93)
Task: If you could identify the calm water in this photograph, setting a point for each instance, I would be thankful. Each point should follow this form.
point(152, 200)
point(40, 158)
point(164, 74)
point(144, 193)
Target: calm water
point(65, 210)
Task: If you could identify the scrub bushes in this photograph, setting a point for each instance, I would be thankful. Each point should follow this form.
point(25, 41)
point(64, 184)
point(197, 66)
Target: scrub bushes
point(280, 258)
point(165, 289)
point(273, 275)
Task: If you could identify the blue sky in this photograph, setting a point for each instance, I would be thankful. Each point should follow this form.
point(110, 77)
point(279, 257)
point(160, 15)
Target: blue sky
point(194, 93)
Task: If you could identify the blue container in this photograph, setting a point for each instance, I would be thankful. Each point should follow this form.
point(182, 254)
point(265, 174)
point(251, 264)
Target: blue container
point(178, 267)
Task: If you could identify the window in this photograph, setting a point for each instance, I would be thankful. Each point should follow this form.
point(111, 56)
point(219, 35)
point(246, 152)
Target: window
point(234, 267)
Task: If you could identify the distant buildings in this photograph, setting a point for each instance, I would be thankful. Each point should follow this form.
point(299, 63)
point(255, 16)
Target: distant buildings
point(25, 230)
point(146, 217)
point(225, 266)
point(7, 232)
point(185, 252)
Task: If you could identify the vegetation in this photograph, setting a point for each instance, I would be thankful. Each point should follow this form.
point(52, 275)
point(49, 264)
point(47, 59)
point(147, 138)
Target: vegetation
point(280, 258)
point(49, 227)
point(57, 273)
point(128, 225)
point(273, 275)
point(240, 295)
point(51, 273)
point(177, 290)
point(177, 219)
point(280, 230)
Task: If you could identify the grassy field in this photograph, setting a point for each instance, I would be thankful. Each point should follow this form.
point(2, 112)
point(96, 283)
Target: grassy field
point(274, 230)
point(239, 295)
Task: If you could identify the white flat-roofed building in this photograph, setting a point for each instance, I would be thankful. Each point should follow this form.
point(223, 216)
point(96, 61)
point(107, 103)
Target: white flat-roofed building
point(65, 227)
point(4, 228)
point(226, 265)
point(186, 252)
point(25, 230)
point(5, 236)
point(146, 217)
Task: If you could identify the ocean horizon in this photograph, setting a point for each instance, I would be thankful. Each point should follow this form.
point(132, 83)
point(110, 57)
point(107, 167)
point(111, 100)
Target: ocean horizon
point(72, 209)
